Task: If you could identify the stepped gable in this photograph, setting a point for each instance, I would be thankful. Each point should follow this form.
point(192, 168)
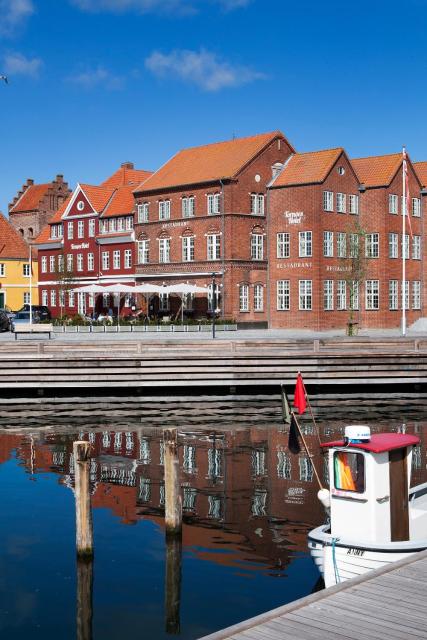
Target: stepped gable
point(311, 167)
point(11, 244)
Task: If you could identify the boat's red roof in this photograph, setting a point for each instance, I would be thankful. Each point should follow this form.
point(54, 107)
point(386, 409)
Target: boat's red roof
point(380, 442)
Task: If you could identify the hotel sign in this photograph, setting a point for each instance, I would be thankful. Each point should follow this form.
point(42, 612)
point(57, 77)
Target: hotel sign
point(294, 217)
point(83, 245)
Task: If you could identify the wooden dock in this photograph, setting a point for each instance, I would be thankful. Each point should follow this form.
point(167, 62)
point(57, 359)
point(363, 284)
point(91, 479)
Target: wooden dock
point(387, 604)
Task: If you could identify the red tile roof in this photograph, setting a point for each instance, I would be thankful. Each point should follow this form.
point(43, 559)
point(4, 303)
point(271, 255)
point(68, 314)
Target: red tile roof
point(377, 171)
point(31, 197)
point(208, 163)
point(128, 176)
point(44, 235)
point(11, 243)
point(421, 171)
point(122, 202)
point(307, 168)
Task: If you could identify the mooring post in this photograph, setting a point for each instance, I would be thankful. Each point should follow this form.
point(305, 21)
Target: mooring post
point(173, 584)
point(173, 500)
point(84, 598)
point(84, 532)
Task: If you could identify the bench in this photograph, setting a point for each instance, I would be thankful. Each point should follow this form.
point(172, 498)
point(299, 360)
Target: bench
point(33, 328)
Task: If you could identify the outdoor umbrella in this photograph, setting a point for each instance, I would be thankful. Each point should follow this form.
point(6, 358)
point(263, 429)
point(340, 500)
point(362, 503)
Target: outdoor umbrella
point(182, 289)
point(118, 289)
point(89, 288)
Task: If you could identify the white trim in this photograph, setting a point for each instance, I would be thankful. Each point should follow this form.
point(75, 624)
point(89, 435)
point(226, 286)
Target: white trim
point(184, 274)
point(17, 286)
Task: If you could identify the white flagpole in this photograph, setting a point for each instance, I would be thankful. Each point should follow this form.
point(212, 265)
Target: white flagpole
point(404, 244)
point(31, 288)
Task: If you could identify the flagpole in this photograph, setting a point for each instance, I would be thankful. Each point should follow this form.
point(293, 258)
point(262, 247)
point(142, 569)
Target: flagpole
point(31, 288)
point(307, 450)
point(311, 412)
point(404, 244)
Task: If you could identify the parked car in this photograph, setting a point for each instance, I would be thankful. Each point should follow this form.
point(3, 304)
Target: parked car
point(39, 310)
point(4, 321)
point(22, 317)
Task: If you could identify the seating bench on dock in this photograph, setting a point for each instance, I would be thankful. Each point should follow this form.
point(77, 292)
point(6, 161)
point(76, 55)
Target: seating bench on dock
point(33, 328)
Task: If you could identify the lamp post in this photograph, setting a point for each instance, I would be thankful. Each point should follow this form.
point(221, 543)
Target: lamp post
point(213, 305)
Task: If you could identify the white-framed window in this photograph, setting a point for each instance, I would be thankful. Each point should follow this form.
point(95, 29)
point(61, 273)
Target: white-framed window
point(164, 249)
point(305, 244)
point(284, 465)
point(406, 246)
point(79, 262)
point(128, 258)
point(164, 209)
point(70, 230)
point(257, 204)
point(405, 291)
point(328, 201)
point(328, 295)
point(393, 295)
point(71, 299)
point(244, 297)
point(283, 245)
point(164, 302)
point(393, 245)
point(283, 295)
point(257, 246)
point(91, 227)
point(53, 297)
point(43, 264)
point(341, 203)
point(188, 203)
point(214, 203)
point(354, 245)
point(341, 295)
point(416, 294)
point(258, 297)
point(90, 262)
point(60, 263)
point(143, 212)
point(372, 295)
point(328, 244)
point(61, 298)
point(3, 268)
point(103, 226)
point(416, 207)
point(70, 262)
point(80, 228)
point(354, 295)
point(120, 224)
point(305, 469)
point(116, 259)
point(353, 204)
point(128, 223)
point(188, 249)
point(305, 295)
point(113, 225)
point(372, 245)
point(393, 203)
point(341, 244)
point(416, 248)
point(213, 246)
point(51, 264)
point(44, 298)
point(26, 270)
point(143, 251)
point(105, 260)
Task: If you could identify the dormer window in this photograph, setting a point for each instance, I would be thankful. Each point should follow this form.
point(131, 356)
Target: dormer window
point(129, 223)
point(120, 224)
point(113, 225)
point(103, 226)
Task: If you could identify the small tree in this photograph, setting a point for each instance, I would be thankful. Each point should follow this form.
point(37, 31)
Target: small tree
point(65, 277)
point(356, 265)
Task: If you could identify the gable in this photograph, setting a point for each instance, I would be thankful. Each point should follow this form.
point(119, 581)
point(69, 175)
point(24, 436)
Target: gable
point(80, 205)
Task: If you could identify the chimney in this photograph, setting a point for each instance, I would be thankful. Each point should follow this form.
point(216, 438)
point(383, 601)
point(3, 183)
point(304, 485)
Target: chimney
point(276, 169)
point(127, 165)
point(59, 177)
point(30, 182)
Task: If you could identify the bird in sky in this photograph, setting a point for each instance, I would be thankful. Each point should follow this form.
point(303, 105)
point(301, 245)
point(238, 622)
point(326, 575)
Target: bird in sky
point(5, 78)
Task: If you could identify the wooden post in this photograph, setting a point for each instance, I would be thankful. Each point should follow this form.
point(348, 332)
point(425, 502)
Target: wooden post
point(173, 500)
point(173, 584)
point(84, 598)
point(84, 533)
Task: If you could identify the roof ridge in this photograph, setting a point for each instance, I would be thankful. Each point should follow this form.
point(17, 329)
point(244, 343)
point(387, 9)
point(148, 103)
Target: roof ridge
point(384, 155)
point(242, 138)
point(304, 153)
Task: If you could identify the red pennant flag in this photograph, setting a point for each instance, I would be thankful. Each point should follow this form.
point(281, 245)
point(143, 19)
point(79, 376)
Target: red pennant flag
point(300, 401)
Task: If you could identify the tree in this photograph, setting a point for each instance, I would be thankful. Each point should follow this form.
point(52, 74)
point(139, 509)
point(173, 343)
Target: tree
point(355, 268)
point(65, 277)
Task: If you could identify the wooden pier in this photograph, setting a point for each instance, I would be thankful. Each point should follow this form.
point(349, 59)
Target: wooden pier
point(387, 604)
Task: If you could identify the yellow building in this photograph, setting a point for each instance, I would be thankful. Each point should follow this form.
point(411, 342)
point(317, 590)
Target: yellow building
point(15, 271)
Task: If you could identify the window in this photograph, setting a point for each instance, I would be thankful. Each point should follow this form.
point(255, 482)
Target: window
point(328, 201)
point(144, 251)
point(372, 247)
point(393, 295)
point(61, 298)
point(91, 227)
point(214, 203)
point(120, 224)
point(188, 207)
point(3, 268)
point(70, 228)
point(80, 228)
point(143, 212)
point(349, 471)
point(341, 203)
point(353, 204)
point(305, 295)
point(90, 262)
point(105, 260)
point(416, 294)
point(257, 204)
point(341, 245)
point(393, 245)
point(116, 259)
point(328, 295)
point(244, 297)
point(164, 302)
point(129, 223)
point(213, 246)
point(44, 298)
point(341, 295)
point(26, 270)
point(188, 249)
point(354, 245)
point(406, 247)
point(70, 261)
point(305, 244)
point(128, 258)
point(61, 263)
point(372, 292)
point(305, 469)
point(284, 465)
point(53, 298)
point(71, 299)
point(257, 246)
point(328, 244)
point(164, 250)
point(44, 266)
point(51, 264)
point(283, 295)
point(416, 207)
point(113, 224)
point(283, 245)
point(103, 226)
point(354, 295)
point(56, 231)
point(393, 203)
point(258, 297)
point(79, 262)
point(164, 209)
point(416, 248)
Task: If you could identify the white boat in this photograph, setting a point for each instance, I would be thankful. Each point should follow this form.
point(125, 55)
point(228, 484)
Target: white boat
point(374, 517)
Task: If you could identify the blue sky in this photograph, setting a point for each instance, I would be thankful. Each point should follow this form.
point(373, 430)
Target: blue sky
point(94, 83)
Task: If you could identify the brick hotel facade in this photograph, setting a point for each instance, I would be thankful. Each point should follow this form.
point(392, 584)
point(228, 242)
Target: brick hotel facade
point(280, 230)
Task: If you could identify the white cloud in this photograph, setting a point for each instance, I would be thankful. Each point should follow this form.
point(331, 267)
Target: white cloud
point(99, 77)
point(13, 13)
point(159, 6)
point(202, 68)
point(17, 64)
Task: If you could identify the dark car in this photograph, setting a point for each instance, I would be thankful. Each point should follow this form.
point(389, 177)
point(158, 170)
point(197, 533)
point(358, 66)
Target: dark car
point(23, 317)
point(39, 311)
point(4, 321)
